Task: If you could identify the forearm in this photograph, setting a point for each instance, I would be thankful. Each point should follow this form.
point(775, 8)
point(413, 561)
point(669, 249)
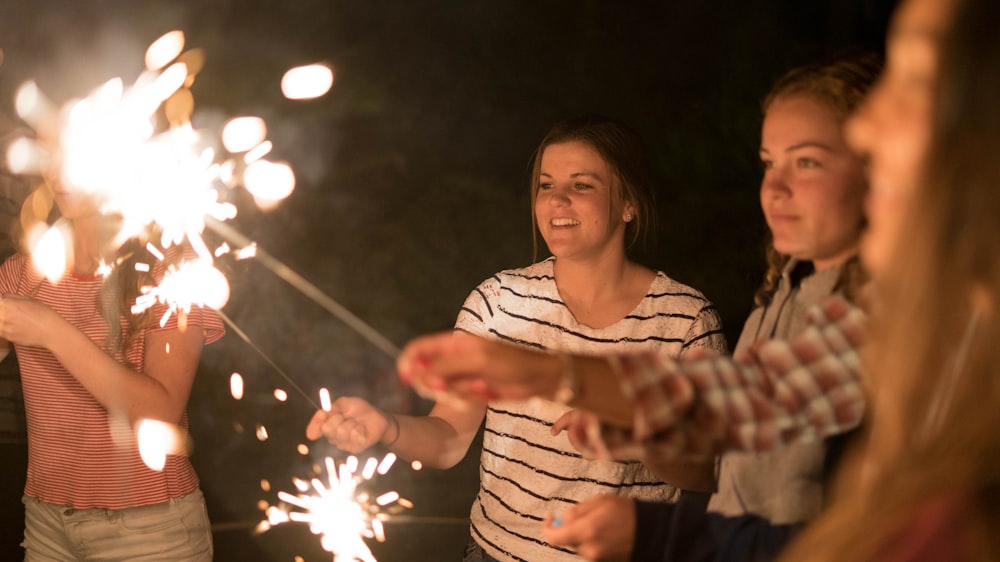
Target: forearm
point(120, 389)
point(693, 475)
point(439, 440)
point(599, 391)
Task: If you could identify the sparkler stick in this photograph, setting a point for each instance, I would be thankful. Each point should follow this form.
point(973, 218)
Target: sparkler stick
point(243, 336)
point(308, 289)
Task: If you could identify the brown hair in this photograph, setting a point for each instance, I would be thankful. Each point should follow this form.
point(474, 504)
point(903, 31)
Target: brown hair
point(840, 84)
point(626, 155)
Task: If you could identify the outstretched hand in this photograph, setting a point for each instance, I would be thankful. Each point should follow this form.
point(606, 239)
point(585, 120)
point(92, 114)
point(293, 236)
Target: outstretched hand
point(456, 364)
point(351, 424)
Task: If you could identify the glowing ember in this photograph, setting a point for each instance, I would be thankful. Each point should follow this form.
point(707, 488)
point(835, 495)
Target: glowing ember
point(280, 395)
point(158, 439)
point(324, 399)
point(195, 282)
point(261, 432)
point(341, 514)
point(49, 251)
point(236, 386)
point(269, 182)
point(243, 133)
point(307, 82)
point(164, 50)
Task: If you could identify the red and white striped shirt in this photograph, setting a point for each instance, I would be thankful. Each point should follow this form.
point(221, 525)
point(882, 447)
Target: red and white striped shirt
point(78, 454)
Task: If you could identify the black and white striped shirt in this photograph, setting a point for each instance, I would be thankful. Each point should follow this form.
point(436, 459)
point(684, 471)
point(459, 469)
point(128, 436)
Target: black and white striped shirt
point(525, 472)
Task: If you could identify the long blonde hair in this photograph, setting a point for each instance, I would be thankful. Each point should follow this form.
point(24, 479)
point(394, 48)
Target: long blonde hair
point(933, 365)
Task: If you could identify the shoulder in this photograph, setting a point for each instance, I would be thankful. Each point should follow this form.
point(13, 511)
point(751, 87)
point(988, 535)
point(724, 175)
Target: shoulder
point(667, 290)
point(13, 269)
point(522, 279)
point(535, 274)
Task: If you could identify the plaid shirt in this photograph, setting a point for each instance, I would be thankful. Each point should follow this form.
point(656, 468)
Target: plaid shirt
point(777, 393)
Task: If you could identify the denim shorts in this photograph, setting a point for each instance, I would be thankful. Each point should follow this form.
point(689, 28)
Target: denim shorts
point(175, 530)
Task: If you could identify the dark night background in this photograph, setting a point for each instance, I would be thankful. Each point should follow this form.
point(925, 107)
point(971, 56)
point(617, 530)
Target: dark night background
point(412, 187)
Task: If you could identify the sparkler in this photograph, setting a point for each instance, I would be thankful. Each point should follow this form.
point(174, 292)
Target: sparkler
point(340, 510)
point(167, 186)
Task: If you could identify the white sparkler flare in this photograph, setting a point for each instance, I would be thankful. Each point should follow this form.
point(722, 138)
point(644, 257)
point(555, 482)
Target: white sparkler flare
point(341, 514)
point(156, 440)
point(165, 49)
point(49, 251)
point(307, 82)
point(236, 386)
point(241, 134)
point(269, 182)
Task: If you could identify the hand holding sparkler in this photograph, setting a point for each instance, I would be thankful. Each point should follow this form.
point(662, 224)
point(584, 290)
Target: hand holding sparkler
point(25, 321)
point(353, 425)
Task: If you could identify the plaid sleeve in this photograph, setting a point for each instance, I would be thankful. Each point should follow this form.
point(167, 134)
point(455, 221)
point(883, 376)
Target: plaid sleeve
point(777, 393)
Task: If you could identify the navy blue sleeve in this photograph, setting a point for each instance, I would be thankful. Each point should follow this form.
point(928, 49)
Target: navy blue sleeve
point(683, 532)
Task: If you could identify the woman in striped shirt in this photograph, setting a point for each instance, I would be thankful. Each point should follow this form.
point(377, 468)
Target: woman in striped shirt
point(91, 372)
point(591, 197)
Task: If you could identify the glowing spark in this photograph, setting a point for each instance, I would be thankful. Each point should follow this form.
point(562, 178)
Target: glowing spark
point(416, 465)
point(303, 449)
point(261, 433)
point(260, 151)
point(341, 514)
point(386, 463)
point(247, 252)
point(243, 133)
point(307, 82)
point(165, 49)
point(49, 251)
point(236, 386)
point(324, 399)
point(265, 485)
point(158, 439)
point(269, 182)
point(162, 177)
point(191, 283)
point(280, 395)
point(23, 156)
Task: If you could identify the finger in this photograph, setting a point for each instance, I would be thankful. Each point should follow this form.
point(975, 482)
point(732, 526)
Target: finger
point(418, 353)
point(314, 429)
point(563, 422)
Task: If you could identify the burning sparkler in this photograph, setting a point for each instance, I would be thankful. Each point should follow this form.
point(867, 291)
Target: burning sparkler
point(163, 184)
point(339, 511)
point(167, 186)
